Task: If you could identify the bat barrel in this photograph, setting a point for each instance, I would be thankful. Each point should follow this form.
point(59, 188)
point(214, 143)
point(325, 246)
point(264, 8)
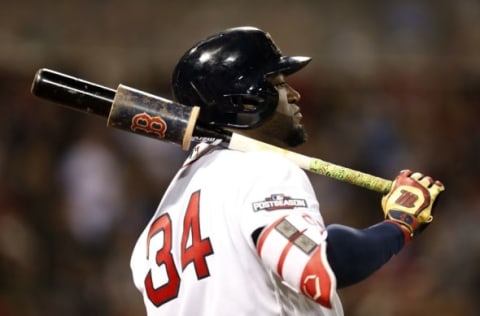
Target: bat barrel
point(125, 108)
point(73, 92)
point(152, 116)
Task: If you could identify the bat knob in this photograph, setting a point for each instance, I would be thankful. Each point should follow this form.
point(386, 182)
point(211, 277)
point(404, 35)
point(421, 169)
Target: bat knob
point(72, 92)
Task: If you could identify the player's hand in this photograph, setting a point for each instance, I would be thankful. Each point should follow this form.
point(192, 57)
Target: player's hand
point(410, 201)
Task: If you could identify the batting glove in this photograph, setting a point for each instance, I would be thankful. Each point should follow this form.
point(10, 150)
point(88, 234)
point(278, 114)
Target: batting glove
point(410, 201)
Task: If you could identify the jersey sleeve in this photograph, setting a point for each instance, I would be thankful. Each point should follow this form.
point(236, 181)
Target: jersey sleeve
point(282, 212)
point(273, 188)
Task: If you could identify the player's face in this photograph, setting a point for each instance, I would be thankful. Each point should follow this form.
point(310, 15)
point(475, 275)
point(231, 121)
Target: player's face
point(283, 128)
point(288, 116)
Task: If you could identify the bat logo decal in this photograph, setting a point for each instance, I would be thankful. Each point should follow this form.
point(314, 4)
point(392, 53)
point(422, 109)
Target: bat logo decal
point(148, 124)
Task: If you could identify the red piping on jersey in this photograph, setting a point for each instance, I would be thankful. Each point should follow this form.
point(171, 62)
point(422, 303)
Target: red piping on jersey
point(316, 280)
point(285, 251)
point(265, 232)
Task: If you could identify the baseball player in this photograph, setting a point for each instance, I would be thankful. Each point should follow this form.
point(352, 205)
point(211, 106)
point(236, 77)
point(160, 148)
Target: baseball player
point(241, 233)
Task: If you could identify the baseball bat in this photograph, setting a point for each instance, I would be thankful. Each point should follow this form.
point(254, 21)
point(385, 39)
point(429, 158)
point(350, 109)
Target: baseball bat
point(149, 115)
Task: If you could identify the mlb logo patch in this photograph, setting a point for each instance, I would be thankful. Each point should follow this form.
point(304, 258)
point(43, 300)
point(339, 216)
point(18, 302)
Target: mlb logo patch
point(278, 202)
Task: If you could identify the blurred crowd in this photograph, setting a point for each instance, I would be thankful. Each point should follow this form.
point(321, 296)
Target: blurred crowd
point(75, 195)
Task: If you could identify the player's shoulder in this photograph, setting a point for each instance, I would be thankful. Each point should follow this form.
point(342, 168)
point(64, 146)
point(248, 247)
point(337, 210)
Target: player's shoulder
point(270, 159)
point(239, 164)
point(260, 162)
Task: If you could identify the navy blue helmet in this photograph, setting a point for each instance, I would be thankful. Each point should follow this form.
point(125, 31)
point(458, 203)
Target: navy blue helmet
point(227, 76)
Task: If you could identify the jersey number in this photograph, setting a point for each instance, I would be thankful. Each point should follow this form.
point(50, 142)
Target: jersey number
point(194, 253)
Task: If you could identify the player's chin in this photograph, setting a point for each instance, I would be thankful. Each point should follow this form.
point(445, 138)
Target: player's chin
point(297, 136)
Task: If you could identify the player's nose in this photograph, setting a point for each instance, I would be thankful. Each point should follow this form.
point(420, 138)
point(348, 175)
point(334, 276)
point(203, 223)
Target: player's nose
point(293, 96)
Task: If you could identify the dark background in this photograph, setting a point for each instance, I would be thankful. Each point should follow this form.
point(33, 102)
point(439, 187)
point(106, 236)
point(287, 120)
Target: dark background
point(392, 85)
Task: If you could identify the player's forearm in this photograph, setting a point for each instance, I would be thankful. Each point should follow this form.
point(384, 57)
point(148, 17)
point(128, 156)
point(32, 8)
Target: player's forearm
point(354, 254)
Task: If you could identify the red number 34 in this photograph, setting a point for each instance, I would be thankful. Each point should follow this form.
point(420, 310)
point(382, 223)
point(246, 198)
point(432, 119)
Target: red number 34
point(194, 253)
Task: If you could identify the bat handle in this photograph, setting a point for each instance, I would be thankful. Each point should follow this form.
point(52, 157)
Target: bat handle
point(315, 165)
point(348, 175)
point(73, 92)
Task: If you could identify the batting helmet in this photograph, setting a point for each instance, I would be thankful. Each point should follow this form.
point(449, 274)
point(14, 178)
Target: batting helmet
point(227, 76)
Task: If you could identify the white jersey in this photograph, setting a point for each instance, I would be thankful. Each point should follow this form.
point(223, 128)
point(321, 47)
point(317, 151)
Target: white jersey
point(197, 255)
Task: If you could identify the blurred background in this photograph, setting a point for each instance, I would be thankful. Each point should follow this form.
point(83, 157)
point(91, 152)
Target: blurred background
point(393, 84)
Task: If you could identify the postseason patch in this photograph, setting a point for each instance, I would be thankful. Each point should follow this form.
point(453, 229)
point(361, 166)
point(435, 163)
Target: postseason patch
point(278, 202)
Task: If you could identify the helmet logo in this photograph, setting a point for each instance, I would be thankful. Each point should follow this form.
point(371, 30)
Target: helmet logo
point(274, 45)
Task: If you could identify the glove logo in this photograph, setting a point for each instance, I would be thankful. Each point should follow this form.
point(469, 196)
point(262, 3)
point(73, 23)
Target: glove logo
point(407, 199)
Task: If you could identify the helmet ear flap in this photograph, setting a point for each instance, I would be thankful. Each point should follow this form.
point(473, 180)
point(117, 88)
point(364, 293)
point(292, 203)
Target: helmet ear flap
point(253, 108)
point(245, 103)
point(232, 103)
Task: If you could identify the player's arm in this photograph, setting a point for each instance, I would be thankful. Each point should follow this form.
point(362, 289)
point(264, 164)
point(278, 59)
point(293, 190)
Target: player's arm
point(294, 247)
point(316, 261)
point(355, 254)
point(352, 254)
